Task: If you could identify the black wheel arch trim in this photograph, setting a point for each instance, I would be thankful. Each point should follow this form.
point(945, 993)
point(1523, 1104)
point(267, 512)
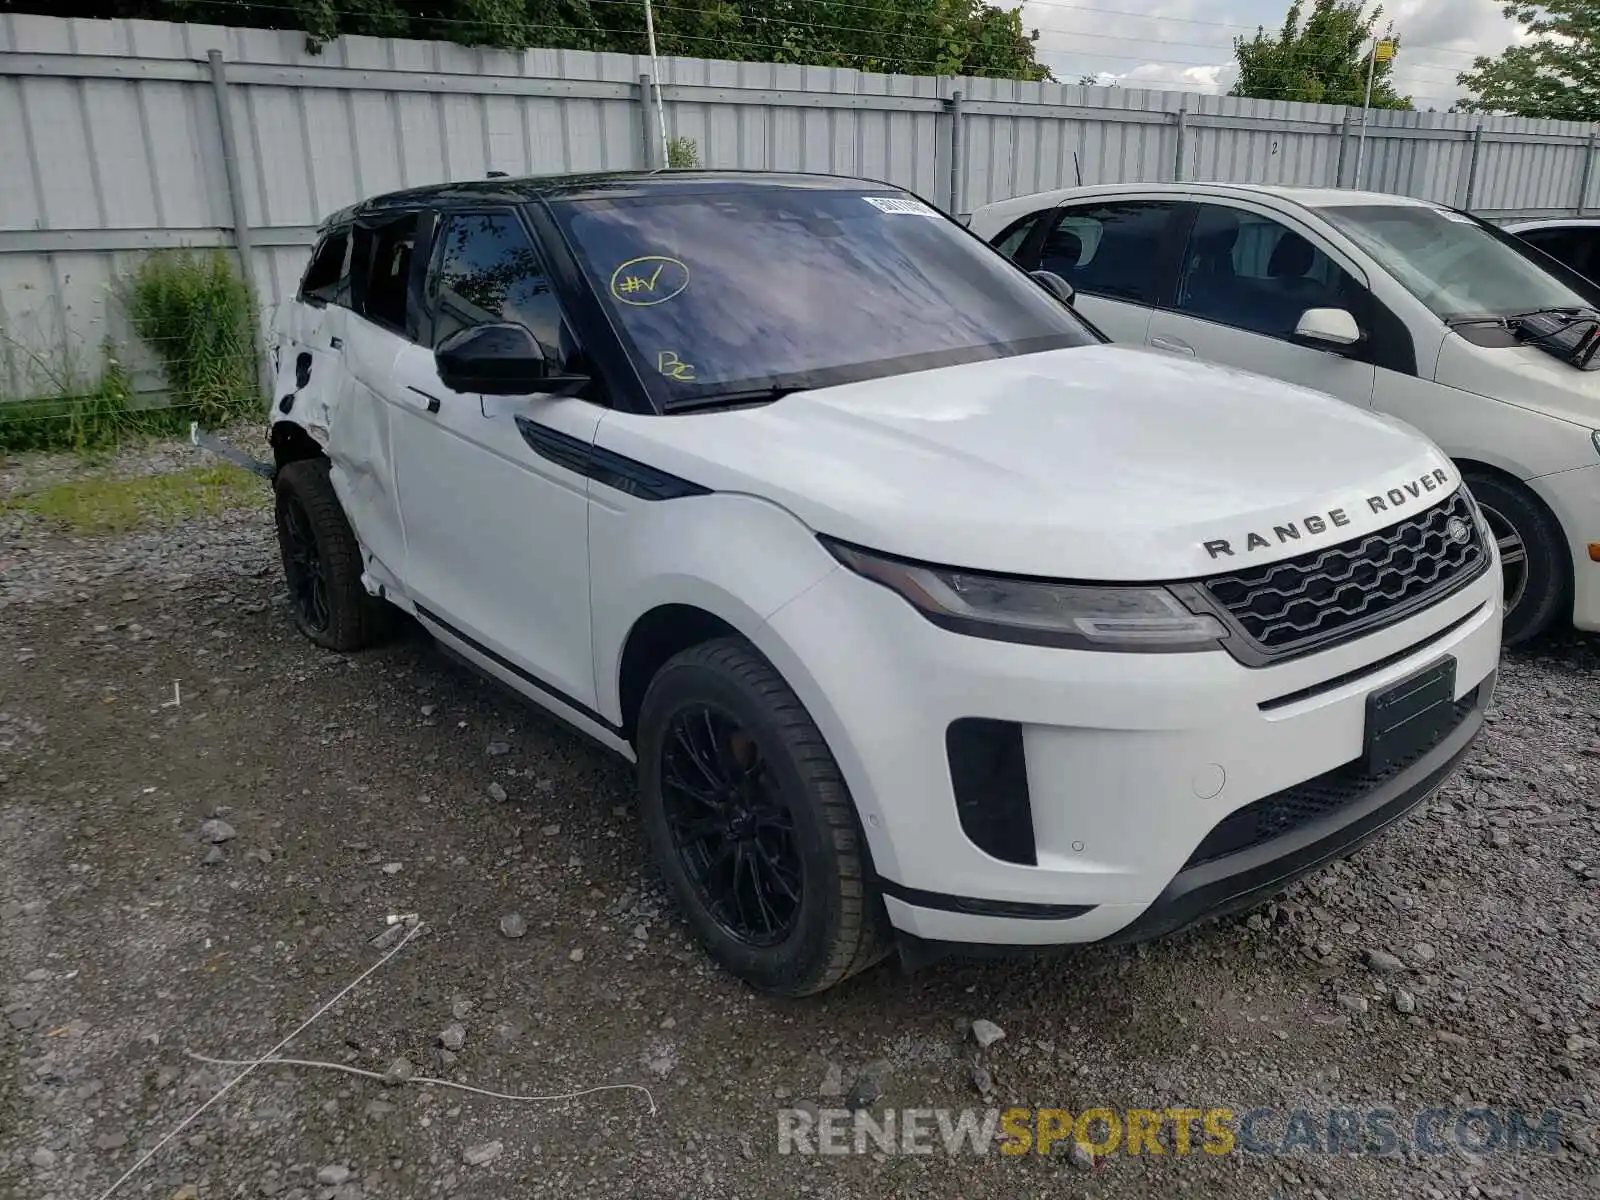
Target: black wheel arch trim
point(604, 466)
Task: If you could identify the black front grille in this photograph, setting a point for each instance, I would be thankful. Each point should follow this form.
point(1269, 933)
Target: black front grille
point(1307, 602)
point(1283, 812)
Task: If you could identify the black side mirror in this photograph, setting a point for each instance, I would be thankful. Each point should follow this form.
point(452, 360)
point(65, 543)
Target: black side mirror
point(502, 359)
point(1055, 285)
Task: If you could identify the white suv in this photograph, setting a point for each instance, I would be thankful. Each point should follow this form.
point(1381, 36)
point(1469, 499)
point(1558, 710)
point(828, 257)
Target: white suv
point(919, 609)
point(1389, 303)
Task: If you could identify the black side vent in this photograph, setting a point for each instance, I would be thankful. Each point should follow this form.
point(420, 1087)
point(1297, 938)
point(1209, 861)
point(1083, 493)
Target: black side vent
point(990, 776)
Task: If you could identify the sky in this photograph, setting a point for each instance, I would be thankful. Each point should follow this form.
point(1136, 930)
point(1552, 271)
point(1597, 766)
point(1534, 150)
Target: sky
point(1188, 44)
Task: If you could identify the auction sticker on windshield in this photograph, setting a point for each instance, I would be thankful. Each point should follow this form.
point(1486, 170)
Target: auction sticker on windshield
point(898, 204)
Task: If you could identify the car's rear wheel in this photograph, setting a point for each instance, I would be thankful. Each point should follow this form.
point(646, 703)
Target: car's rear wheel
point(752, 825)
point(322, 561)
point(1534, 560)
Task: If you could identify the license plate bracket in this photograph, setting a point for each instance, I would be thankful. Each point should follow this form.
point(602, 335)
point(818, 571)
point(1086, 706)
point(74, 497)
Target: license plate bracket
point(1409, 716)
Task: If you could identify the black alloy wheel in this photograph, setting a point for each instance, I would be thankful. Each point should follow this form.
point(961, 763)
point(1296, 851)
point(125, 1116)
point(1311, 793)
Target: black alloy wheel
point(732, 831)
point(302, 567)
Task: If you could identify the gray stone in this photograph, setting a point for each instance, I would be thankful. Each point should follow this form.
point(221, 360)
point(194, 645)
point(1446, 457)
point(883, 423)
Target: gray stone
point(1384, 962)
point(1080, 1156)
point(869, 1086)
point(986, 1033)
point(1424, 952)
point(460, 1008)
point(1404, 1001)
point(453, 1036)
point(480, 1155)
point(333, 1175)
point(575, 954)
point(513, 925)
point(23, 1017)
point(400, 1070)
point(1352, 1004)
point(982, 1080)
point(496, 749)
point(217, 830)
point(39, 975)
point(213, 857)
point(114, 1140)
point(429, 709)
point(496, 792)
point(44, 1158)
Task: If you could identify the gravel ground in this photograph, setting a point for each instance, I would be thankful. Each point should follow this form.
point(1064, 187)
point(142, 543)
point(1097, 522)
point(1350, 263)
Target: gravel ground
point(1452, 964)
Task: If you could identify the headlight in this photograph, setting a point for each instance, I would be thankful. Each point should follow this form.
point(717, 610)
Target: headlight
point(1087, 617)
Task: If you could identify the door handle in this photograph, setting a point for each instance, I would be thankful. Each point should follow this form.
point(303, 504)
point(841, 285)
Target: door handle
point(1173, 345)
point(432, 401)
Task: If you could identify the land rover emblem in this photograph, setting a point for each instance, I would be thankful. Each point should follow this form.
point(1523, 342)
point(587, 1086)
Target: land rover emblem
point(1458, 531)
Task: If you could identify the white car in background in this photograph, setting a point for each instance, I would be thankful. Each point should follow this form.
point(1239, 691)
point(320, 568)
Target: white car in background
point(1571, 241)
point(1389, 303)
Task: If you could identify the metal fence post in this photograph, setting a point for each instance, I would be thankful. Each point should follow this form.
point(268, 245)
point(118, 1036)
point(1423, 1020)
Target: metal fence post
point(243, 245)
point(1177, 162)
point(230, 167)
point(1344, 149)
point(647, 123)
point(1472, 167)
point(1588, 172)
point(957, 166)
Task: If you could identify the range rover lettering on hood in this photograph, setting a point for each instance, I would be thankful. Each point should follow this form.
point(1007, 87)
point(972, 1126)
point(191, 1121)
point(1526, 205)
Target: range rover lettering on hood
point(1399, 497)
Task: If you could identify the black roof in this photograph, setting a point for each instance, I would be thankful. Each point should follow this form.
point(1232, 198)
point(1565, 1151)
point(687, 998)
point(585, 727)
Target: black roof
point(607, 183)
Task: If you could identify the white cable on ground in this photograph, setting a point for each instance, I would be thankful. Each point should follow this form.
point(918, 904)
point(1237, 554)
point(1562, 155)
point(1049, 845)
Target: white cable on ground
point(423, 1079)
point(228, 1087)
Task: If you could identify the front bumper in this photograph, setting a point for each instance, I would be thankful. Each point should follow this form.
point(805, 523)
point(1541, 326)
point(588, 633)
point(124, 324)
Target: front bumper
point(1574, 497)
point(1132, 760)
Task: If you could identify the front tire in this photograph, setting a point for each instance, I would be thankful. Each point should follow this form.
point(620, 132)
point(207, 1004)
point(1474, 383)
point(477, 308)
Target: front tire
point(752, 825)
point(1534, 558)
point(322, 561)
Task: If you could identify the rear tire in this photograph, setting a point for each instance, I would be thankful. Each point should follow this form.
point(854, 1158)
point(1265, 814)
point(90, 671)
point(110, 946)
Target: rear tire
point(732, 770)
point(322, 562)
point(1534, 556)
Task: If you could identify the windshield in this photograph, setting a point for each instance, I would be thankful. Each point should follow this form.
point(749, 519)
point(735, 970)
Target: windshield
point(726, 292)
point(1457, 267)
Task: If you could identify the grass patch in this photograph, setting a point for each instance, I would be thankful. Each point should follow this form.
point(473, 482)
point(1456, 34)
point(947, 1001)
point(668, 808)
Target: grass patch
point(198, 316)
point(103, 504)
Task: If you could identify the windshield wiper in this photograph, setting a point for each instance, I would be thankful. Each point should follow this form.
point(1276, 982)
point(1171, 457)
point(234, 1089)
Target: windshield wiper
point(745, 398)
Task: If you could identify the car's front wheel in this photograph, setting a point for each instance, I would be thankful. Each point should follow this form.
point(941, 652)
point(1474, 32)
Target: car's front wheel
point(1534, 559)
point(752, 825)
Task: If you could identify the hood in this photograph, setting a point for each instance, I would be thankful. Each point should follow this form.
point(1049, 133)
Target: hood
point(1524, 376)
point(1096, 463)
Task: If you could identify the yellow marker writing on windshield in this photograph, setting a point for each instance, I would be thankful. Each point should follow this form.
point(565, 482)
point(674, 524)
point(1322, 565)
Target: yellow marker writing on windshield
point(649, 279)
point(673, 367)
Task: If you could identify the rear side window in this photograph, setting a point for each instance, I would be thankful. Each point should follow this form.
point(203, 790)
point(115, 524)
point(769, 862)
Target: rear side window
point(1573, 247)
point(327, 279)
point(1111, 249)
point(385, 252)
point(488, 272)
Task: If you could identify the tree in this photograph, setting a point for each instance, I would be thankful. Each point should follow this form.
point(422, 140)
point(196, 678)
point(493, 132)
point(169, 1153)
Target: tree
point(1555, 75)
point(1323, 61)
point(914, 37)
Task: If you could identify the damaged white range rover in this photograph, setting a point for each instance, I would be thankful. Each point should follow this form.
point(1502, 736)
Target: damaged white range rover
point(924, 613)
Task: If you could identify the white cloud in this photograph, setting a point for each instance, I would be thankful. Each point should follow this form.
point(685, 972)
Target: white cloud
point(1187, 45)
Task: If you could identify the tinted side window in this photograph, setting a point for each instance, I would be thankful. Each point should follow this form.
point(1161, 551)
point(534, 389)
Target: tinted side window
point(487, 271)
point(1011, 238)
point(1574, 247)
point(1110, 249)
point(327, 279)
point(1248, 271)
point(386, 252)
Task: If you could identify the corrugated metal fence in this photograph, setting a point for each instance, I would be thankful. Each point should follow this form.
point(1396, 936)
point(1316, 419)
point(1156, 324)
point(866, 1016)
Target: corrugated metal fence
point(117, 137)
